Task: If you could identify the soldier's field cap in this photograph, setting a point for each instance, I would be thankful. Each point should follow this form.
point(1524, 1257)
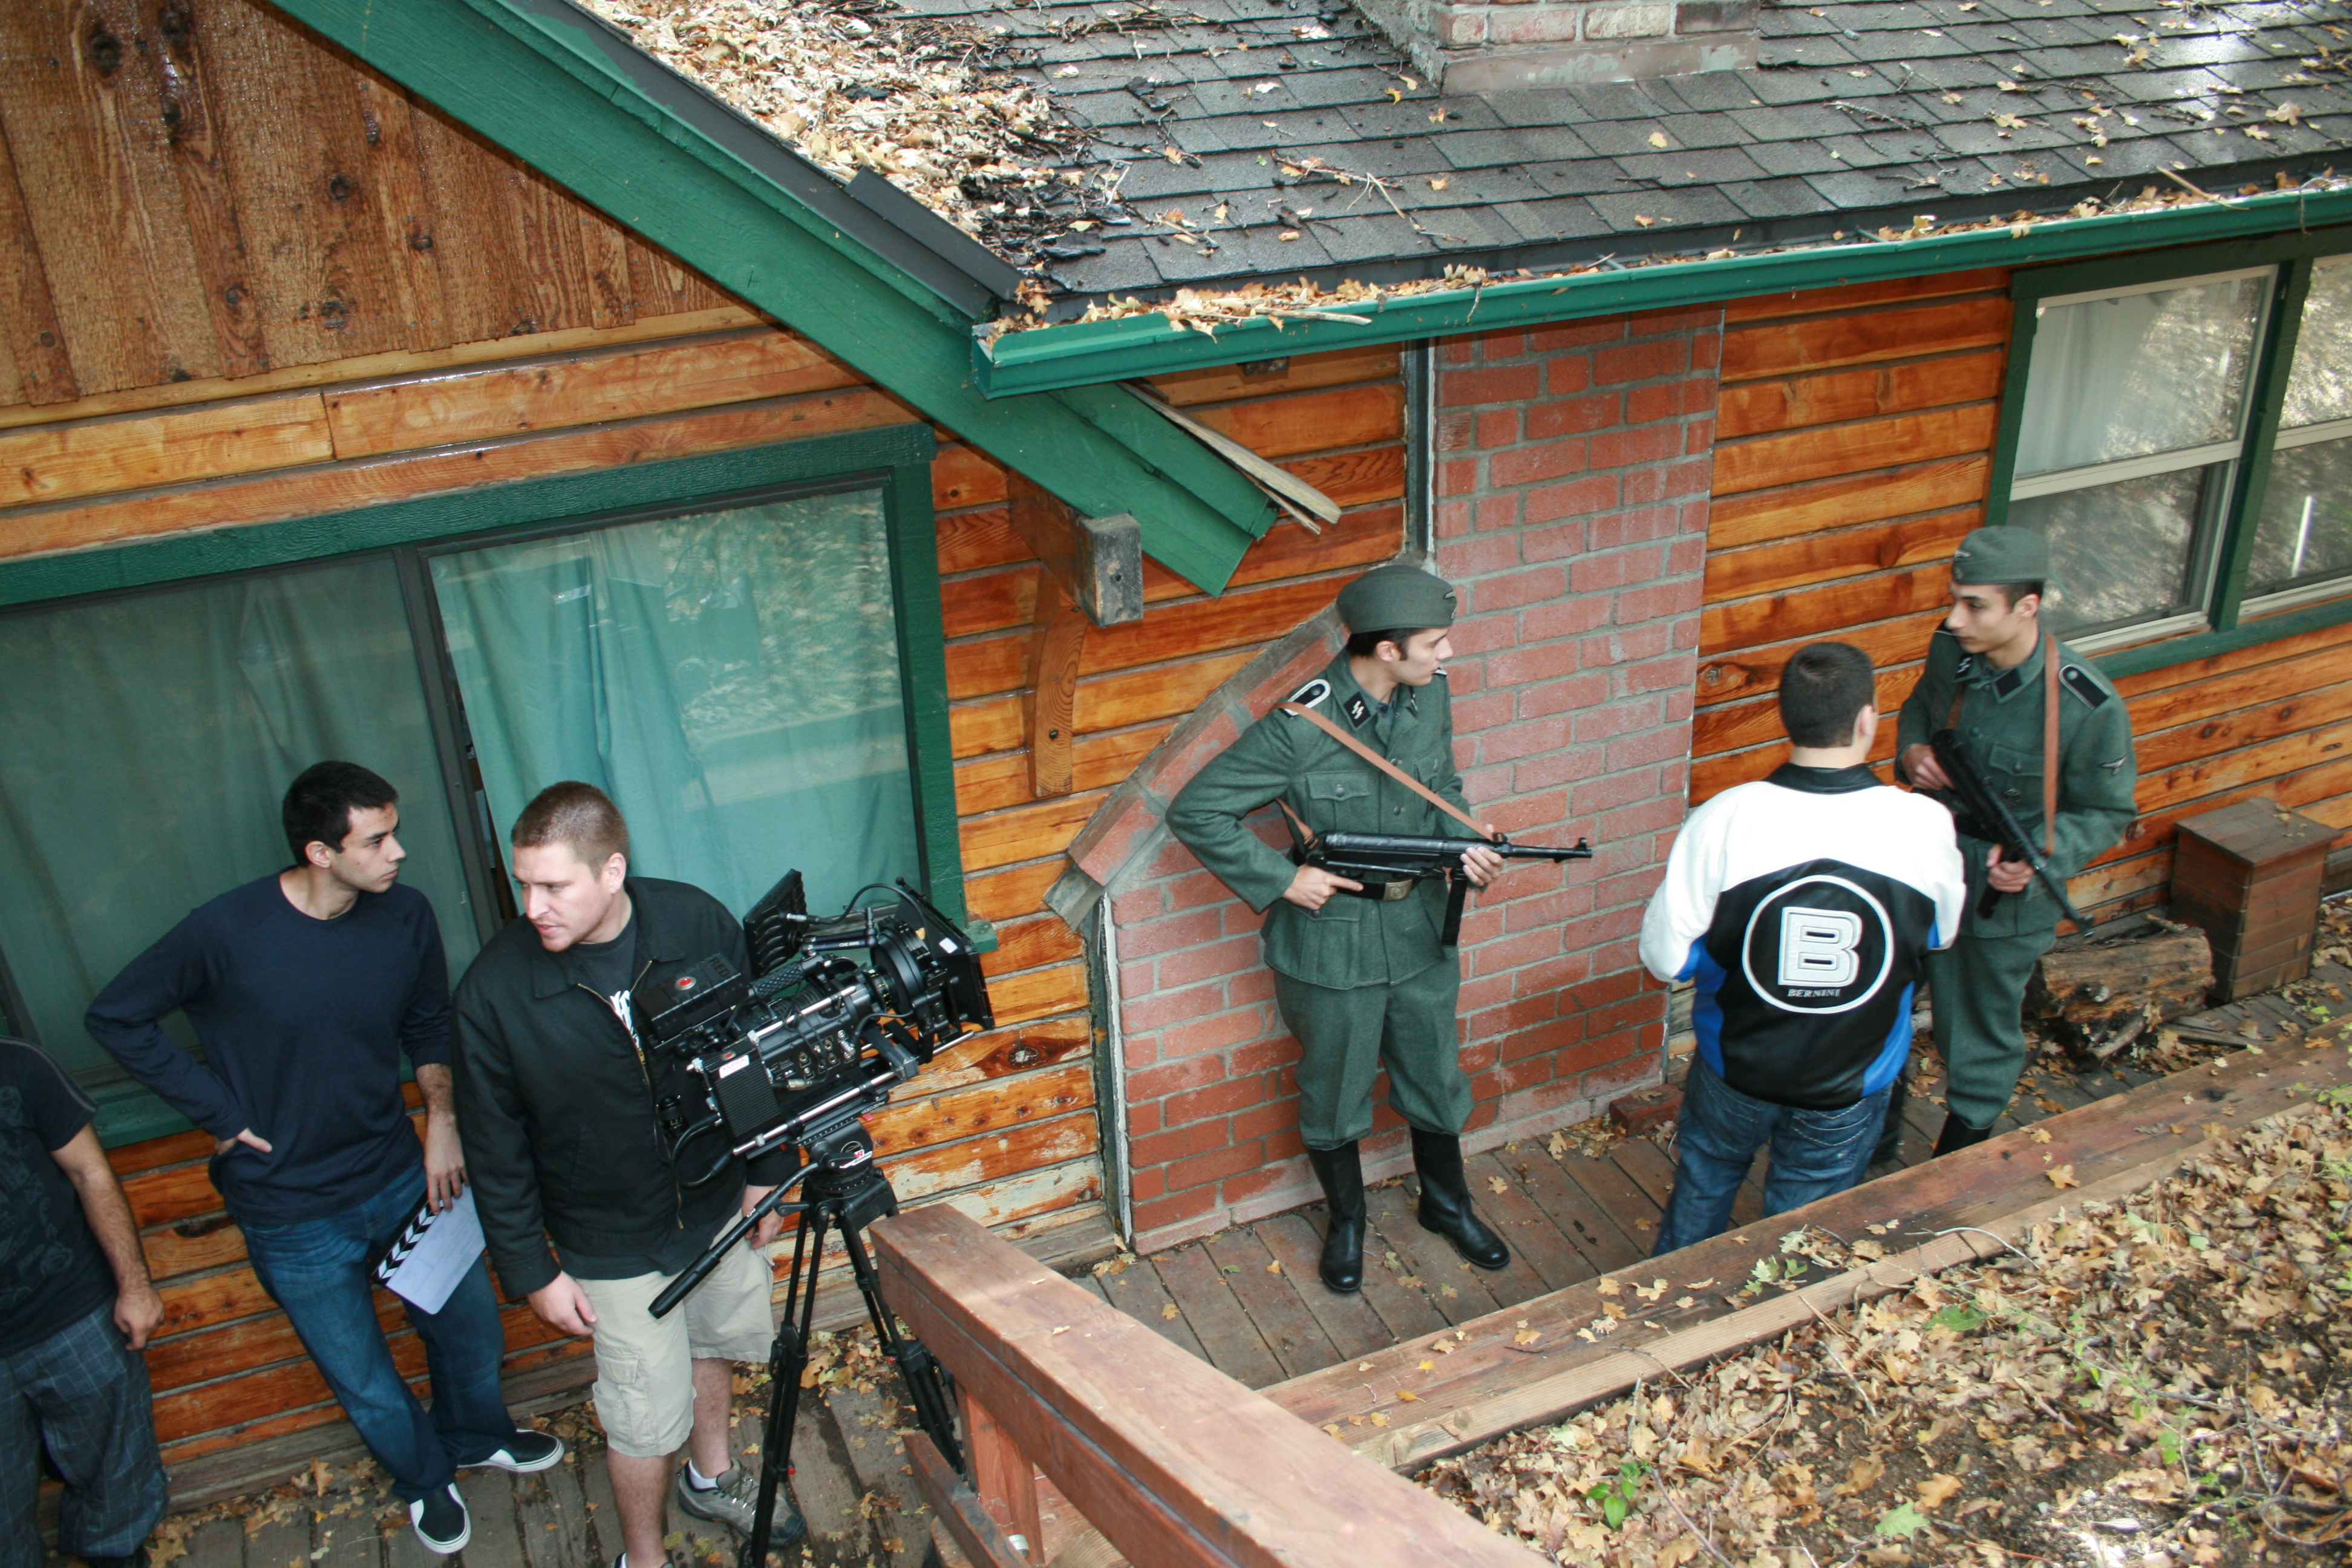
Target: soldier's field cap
point(1992, 555)
point(1396, 597)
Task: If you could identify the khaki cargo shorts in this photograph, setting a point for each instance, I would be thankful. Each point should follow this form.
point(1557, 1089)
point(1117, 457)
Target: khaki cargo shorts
point(645, 1364)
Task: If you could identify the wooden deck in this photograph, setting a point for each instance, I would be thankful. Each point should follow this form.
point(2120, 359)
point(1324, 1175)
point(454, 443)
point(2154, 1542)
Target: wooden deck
point(1246, 1300)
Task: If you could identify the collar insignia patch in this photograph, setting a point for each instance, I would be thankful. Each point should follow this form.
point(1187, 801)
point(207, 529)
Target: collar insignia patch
point(1359, 711)
point(2077, 679)
point(2009, 681)
point(1308, 695)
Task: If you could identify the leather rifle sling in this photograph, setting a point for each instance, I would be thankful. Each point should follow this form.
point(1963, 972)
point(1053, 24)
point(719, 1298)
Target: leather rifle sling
point(1379, 762)
point(2049, 743)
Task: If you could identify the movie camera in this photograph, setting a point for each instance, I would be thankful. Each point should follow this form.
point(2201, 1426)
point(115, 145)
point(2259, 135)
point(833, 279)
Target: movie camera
point(795, 1052)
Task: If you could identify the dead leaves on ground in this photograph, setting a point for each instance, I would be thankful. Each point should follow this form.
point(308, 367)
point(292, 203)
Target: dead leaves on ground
point(2154, 1377)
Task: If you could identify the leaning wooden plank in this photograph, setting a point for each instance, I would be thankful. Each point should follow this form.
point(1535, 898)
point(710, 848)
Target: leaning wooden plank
point(1310, 505)
point(957, 1506)
point(1177, 1464)
point(1495, 1378)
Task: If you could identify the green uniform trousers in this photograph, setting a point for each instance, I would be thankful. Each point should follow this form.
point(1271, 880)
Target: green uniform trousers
point(1977, 992)
point(1346, 1036)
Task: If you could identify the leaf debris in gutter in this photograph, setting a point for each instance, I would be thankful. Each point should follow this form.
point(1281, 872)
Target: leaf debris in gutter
point(1206, 310)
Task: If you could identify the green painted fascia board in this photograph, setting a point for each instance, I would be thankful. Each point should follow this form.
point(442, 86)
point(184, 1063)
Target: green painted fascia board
point(1076, 354)
point(547, 100)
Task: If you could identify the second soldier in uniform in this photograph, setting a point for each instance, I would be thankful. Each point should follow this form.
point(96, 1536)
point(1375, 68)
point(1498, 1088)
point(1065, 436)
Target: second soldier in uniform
point(1987, 677)
point(1359, 975)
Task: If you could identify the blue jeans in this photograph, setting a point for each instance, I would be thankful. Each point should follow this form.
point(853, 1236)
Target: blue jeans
point(322, 1272)
point(1814, 1153)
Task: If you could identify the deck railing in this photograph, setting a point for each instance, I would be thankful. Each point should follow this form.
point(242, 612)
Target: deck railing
point(1177, 1464)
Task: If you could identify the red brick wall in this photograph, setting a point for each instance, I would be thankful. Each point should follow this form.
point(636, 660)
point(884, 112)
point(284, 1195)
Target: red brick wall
point(1572, 473)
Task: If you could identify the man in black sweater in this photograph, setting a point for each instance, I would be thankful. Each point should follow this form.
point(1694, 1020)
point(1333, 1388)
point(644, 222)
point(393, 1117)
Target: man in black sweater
point(305, 988)
point(558, 1095)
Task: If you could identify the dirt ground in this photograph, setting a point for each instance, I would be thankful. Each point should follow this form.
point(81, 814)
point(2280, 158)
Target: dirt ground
point(2162, 1381)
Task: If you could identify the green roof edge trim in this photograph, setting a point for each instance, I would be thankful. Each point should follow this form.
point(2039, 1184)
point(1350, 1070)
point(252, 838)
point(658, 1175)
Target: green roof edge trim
point(540, 88)
point(1080, 353)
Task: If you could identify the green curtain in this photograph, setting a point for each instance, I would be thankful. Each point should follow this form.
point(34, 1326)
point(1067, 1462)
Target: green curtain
point(149, 740)
point(731, 678)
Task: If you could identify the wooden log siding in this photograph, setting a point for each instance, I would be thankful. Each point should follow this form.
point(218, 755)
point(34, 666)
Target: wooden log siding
point(1854, 443)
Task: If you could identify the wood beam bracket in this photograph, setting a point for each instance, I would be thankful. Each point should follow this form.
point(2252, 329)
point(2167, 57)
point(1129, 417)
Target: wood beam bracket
point(1056, 649)
point(1099, 560)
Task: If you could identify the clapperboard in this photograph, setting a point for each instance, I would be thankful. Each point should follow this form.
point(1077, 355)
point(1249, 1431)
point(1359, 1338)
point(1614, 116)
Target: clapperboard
point(432, 1253)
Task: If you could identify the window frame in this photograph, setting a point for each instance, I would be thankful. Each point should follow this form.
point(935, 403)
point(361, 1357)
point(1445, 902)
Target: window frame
point(2227, 620)
point(895, 459)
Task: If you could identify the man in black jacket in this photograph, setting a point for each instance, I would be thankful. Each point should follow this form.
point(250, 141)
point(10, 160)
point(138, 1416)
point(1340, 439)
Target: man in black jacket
point(558, 1095)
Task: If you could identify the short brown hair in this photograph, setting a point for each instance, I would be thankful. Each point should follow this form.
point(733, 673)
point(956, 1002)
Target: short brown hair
point(1823, 690)
point(576, 813)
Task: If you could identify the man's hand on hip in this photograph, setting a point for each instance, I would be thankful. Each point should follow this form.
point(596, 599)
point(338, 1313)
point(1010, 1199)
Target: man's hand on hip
point(246, 1137)
point(445, 1162)
point(1920, 766)
point(563, 1306)
point(1313, 887)
point(770, 1225)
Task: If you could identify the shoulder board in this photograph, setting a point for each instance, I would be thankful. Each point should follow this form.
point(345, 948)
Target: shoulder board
point(2079, 681)
point(1308, 695)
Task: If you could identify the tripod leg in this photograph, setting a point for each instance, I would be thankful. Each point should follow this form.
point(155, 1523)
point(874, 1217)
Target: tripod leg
point(926, 1381)
point(788, 1358)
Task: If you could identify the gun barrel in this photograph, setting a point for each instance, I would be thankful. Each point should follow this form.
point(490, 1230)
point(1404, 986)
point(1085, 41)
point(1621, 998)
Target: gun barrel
point(1394, 844)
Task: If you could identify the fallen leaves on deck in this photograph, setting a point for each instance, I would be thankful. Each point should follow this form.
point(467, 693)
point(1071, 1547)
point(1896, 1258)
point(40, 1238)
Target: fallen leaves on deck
point(2153, 1380)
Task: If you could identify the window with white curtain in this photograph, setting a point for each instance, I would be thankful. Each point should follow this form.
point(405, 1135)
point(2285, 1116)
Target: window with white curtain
point(2135, 415)
point(2185, 441)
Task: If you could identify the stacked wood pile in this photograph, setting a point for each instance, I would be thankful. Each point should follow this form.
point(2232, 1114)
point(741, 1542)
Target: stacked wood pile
point(2099, 998)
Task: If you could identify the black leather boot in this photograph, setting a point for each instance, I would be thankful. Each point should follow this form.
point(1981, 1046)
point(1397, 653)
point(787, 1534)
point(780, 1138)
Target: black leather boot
point(1890, 1136)
point(1445, 1200)
point(1341, 1172)
point(1958, 1134)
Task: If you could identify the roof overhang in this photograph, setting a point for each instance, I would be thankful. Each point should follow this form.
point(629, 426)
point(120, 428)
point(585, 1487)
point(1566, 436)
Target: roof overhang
point(1088, 352)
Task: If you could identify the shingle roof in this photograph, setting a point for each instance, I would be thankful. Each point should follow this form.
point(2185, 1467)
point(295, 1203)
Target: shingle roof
point(1233, 116)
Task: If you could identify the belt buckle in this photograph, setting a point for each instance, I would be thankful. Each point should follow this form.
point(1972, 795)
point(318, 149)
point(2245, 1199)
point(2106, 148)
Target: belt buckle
point(1398, 888)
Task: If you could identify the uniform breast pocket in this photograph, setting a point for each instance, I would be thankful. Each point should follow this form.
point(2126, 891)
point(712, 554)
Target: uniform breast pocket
point(2017, 774)
point(1343, 802)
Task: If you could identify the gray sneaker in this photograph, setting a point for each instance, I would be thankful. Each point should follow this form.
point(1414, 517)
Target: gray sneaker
point(734, 1503)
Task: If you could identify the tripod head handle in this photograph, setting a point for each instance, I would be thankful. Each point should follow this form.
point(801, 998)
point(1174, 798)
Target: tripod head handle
point(679, 1289)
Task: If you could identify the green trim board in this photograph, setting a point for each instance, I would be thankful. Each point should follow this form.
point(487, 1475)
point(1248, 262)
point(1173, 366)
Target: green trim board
point(532, 78)
point(1077, 353)
point(2292, 254)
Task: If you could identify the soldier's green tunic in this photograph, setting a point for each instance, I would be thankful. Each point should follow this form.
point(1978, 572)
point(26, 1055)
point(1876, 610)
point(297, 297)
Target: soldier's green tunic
point(1978, 984)
point(1361, 982)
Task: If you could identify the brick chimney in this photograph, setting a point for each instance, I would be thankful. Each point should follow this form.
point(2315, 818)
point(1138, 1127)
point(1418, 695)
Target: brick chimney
point(1502, 45)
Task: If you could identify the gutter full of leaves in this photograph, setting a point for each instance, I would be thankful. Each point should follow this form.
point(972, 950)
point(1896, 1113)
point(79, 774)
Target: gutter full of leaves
point(1128, 338)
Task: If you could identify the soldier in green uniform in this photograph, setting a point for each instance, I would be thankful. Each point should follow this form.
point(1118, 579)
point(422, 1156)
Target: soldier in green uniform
point(1359, 973)
point(1988, 658)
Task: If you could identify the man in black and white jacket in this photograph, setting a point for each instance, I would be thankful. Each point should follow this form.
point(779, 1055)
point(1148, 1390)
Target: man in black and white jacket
point(1802, 905)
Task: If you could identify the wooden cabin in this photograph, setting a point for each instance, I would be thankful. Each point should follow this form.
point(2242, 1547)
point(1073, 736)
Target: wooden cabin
point(462, 391)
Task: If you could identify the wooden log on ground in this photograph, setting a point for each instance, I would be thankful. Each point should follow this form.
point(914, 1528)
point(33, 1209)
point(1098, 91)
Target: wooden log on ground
point(2099, 998)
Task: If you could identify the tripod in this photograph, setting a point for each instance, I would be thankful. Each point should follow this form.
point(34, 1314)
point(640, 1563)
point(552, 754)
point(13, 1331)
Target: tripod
point(840, 1190)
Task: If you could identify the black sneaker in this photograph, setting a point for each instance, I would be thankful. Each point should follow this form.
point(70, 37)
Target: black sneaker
point(528, 1450)
point(440, 1521)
